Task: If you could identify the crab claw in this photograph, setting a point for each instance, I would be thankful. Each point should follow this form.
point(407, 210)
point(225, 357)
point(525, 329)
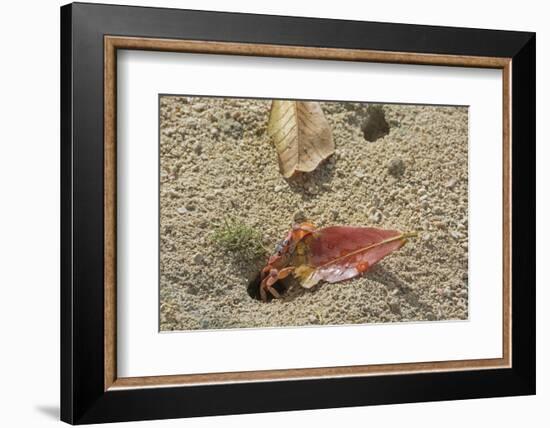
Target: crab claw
point(300, 230)
point(268, 282)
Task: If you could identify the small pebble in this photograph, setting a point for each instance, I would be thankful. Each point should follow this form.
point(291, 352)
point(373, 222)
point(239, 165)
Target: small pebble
point(376, 217)
point(395, 307)
point(455, 234)
point(396, 167)
point(182, 210)
point(299, 216)
point(197, 148)
point(199, 107)
point(450, 184)
point(198, 258)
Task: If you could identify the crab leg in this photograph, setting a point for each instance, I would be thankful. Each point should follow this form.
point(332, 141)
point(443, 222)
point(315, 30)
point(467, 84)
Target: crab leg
point(274, 292)
point(271, 279)
point(263, 294)
point(266, 284)
point(283, 273)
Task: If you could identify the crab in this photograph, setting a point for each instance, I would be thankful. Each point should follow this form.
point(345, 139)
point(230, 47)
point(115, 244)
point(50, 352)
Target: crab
point(279, 264)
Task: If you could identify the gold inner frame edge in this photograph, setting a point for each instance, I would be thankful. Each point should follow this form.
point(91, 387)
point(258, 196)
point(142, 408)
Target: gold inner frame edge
point(113, 43)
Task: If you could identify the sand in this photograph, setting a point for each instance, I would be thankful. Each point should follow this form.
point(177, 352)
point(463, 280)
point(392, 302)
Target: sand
point(216, 161)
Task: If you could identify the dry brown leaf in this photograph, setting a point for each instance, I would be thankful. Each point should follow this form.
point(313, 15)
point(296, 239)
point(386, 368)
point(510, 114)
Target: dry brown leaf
point(301, 134)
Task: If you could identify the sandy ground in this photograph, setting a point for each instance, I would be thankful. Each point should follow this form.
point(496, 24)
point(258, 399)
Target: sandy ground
point(217, 161)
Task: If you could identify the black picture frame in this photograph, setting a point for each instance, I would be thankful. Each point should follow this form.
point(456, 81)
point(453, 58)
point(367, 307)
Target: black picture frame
point(83, 398)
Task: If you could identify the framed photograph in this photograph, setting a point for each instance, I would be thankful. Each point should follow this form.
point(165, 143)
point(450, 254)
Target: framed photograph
point(266, 213)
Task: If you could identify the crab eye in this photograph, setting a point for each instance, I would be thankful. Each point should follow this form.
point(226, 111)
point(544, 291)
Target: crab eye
point(285, 242)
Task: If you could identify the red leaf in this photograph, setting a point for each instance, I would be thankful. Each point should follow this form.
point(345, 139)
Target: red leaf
point(332, 254)
point(338, 253)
